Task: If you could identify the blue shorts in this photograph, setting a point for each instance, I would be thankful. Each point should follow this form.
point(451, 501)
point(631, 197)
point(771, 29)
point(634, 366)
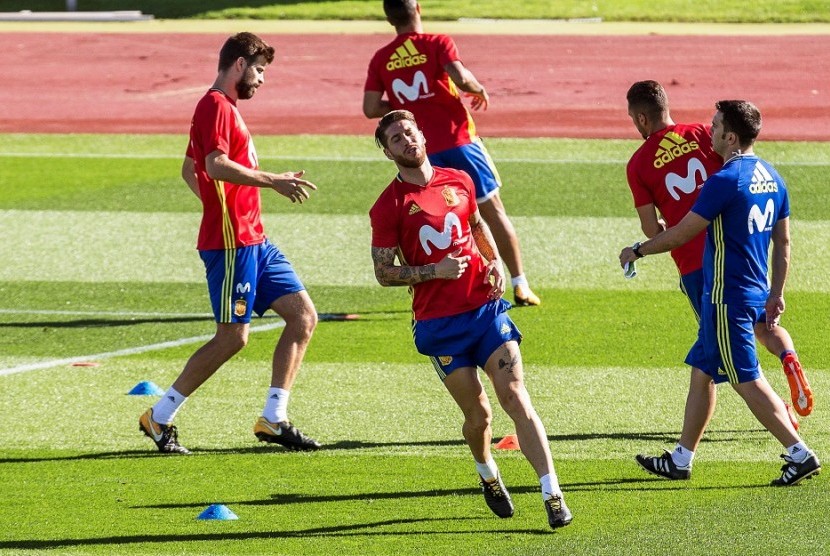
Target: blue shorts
point(247, 279)
point(692, 285)
point(725, 347)
point(474, 159)
point(465, 340)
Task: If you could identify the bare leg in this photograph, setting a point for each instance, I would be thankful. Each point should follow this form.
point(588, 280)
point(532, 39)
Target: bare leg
point(700, 405)
point(504, 367)
point(776, 340)
point(300, 318)
point(465, 387)
point(229, 339)
point(769, 409)
point(493, 212)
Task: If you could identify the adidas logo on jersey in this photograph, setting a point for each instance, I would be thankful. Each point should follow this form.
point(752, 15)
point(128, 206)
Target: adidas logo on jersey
point(672, 146)
point(405, 56)
point(414, 209)
point(762, 181)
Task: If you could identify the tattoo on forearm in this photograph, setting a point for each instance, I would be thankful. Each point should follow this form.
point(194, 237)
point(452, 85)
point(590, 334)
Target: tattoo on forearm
point(484, 240)
point(389, 274)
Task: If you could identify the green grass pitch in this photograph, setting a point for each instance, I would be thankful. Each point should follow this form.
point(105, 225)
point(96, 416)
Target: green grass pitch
point(603, 359)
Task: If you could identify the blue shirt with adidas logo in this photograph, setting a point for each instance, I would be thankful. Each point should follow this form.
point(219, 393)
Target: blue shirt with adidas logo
point(742, 202)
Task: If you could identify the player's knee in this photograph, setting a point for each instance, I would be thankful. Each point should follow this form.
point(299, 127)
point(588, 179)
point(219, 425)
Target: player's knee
point(478, 420)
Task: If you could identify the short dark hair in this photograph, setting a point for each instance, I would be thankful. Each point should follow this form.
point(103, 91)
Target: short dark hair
point(244, 45)
point(400, 12)
point(649, 97)
point(742, 118)
point(389, 119)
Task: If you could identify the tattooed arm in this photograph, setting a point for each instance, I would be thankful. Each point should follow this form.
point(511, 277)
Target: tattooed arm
point(390, 274)
point(487, 247)
point(483, 237)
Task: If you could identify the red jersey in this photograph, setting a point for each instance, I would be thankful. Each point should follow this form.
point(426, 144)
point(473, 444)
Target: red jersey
point(410, 70)
point(424, 223)
point(668, 171)
point(230, 212)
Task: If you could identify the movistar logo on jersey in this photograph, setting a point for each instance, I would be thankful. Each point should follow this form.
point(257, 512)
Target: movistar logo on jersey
point(440, 239)
point(688, 184)
point(405, 56)
point(410, 92)
point(762, 180)
point(761, 221)
point(672, 146)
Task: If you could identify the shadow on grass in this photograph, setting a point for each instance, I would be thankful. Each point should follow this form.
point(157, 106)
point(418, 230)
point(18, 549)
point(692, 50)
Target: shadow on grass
point(296, 498)
point(359, 529)
point(650, 483)
point(98, 323)
point(665, 437)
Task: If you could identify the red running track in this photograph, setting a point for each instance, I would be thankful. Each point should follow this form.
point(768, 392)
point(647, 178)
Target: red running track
point(540, 86)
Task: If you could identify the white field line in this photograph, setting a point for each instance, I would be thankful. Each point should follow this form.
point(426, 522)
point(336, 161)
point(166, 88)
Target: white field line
point(147, 156)
point(129, 351)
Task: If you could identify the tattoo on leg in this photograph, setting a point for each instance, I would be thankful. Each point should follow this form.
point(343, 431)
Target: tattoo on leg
point(508, 362)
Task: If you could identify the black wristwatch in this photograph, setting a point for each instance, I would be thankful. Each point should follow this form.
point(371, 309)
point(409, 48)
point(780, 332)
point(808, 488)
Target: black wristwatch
point(636, 249)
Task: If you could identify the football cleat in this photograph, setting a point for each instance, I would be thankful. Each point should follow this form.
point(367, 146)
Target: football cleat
point(793, 473)
point(664, 466)
point(558, 513)
point(800, 391)
point(497, 497)
point(166, 437)
point(285, 434)
point(524, 297)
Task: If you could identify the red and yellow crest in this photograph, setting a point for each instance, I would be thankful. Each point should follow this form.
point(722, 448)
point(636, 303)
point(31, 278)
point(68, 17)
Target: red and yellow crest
point(450, 196)
point(240, 306)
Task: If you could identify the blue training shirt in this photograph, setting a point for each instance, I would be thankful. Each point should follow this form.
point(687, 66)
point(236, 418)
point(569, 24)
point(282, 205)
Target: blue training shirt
point(743, 202)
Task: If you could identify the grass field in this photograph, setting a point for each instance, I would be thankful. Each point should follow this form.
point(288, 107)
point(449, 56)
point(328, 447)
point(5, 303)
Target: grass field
point(99, 243)
point(697, 11)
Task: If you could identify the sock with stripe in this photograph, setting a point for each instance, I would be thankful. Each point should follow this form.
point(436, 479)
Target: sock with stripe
point(682, 457)
point(276, 405)
point(166, 408)
point(798, 452)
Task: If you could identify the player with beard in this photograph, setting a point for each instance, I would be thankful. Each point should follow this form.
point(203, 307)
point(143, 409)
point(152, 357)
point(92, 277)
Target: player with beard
point(665, 175)
point(428, 218)
point(246, 273)
point(423, 73)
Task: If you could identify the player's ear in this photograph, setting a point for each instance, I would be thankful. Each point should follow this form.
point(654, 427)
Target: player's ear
point(388, 154)
point(642, 119)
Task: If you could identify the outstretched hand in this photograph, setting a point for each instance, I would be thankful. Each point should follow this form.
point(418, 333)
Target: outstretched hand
point(291, 185)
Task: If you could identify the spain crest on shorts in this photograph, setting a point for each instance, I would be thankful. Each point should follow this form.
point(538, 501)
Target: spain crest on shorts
point(445, 359)
point(450, 196)
point(240, 307)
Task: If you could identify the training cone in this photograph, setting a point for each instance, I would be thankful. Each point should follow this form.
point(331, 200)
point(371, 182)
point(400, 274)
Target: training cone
point(509, 442)
point(217, 511)
point(146, 388)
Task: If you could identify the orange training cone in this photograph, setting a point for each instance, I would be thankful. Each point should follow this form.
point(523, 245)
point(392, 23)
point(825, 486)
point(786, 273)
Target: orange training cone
point(509, 442)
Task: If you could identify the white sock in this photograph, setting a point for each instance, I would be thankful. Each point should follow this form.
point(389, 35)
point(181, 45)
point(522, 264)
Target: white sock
point(550, 485)
point(166, 408)
point(798, 452)
point(682, 457)
point(519, 280)
point(488, 470)
point(276, 405)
